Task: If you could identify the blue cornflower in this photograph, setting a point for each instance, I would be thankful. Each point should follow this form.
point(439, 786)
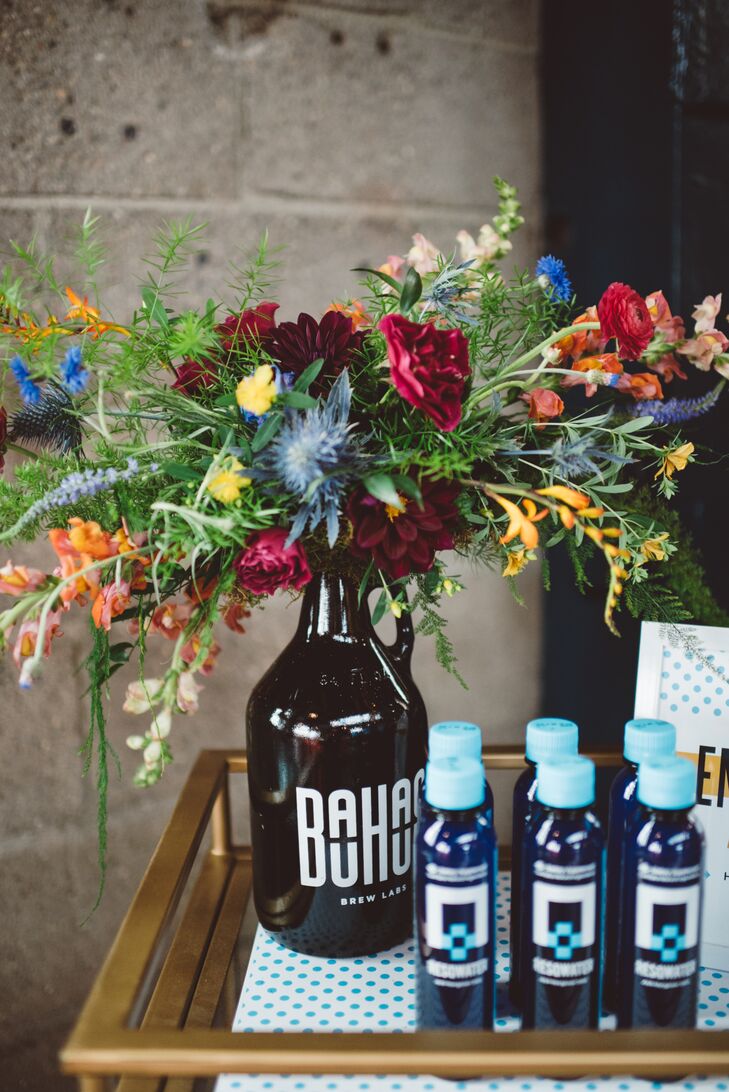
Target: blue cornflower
point(313, 457)
point(30, 392)
point(677, 411)
point(73, 376)
point(552, 275)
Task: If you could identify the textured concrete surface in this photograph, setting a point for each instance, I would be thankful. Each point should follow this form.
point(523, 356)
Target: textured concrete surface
point(343, 127)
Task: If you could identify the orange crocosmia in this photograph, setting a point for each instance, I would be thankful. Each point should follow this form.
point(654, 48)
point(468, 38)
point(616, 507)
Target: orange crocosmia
point(354, 311)
point(565, 494)
point(521, 523)
point(81, 309)
point(87, 537)
point(567, 516)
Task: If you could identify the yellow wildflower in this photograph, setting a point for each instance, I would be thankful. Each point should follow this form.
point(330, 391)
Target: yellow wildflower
point(652, 549)
point(228, 482)
point(257, 392)
point(516, 561)
point(675, 460)
point(396, 608)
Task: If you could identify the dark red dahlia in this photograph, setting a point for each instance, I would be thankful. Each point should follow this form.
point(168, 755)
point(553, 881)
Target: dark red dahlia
point(195, 375)
point(295, 345)
point(404, 541)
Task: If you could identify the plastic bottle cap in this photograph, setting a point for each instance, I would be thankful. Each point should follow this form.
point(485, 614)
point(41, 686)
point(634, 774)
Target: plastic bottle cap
point(454, 784)
point(647, 739)
point(454, 739)
point(551, 737)
point(569, 783)
point(668, 784)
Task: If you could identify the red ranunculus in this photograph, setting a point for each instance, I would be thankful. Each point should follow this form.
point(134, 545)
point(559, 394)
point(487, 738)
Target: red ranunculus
point(267, 563)
point(404, 541)
point(256, 324)
point(3, 435)
point(428, 366)
point(543, 404)
point(623, 314)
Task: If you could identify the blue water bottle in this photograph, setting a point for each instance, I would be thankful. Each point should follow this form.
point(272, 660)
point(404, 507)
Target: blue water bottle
point(455, 874)
point(662, 894)
point(459, 739)
point(547, 739)
point(562, 900)
point(644, 741)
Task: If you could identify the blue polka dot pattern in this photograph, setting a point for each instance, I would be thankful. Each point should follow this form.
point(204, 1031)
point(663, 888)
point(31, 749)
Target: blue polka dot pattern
point(377, 994)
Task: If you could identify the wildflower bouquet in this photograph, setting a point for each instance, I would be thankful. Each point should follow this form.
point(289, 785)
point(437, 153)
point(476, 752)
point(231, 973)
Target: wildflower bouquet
point(190, 462)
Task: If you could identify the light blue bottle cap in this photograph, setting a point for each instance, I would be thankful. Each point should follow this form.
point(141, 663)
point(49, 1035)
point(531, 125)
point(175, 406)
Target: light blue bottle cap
point(549, 738)
point(454, 739)
point(454, 784)
point(568, 783)
point(647, 739)
point(668, 784)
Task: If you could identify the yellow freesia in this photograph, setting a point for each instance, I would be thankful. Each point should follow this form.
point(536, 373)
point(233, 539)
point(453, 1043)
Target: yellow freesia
point(516, 561)
point(257, 392)
point(226, 485)
point(675, 460)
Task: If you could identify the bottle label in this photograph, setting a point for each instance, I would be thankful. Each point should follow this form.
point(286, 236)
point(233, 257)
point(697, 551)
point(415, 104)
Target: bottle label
point(456, 926)
point(665, 968)
point(565, 942)
point(357, 839)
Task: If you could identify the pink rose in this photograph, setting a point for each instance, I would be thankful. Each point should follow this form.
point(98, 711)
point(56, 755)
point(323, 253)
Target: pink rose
point(267, 564)
point(428, 366)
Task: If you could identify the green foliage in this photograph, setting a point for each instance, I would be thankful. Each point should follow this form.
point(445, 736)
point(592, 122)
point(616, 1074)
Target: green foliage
point(433, 624)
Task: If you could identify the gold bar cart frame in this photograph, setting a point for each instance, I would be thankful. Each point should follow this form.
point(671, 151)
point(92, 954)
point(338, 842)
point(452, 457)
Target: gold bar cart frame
point(147, 1023)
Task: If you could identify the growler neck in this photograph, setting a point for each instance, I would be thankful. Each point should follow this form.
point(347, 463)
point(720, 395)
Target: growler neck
point(330, 609)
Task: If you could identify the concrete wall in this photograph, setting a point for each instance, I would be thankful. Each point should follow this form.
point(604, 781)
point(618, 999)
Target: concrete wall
point(343, 127)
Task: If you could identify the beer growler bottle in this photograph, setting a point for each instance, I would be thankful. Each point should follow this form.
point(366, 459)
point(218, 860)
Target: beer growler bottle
point(336, 738)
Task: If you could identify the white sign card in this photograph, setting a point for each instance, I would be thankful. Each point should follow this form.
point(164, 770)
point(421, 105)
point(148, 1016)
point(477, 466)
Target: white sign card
point(683, 677)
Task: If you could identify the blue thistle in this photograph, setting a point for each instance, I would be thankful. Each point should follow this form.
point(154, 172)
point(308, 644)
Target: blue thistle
point(73, 376)
point(48, 423)
point(677, 411)
point(313, 457)
point(30, 392)
point(446, 291)
point(552, 274)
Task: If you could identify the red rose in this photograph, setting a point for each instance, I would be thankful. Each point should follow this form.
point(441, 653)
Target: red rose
point(267, 563)
point(3, 435)
point(623, 314)
point(543, 404)
point(194, 375)
point(403, 541)
point(428, 367)
point(256, 324)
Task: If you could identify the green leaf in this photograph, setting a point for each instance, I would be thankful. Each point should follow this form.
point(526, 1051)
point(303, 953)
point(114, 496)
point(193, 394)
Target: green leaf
point(619, 487)
point(297, 400)
point(225, 400)
point(308, 375)
point(364, 582)
point(407, 486)
point(267, 431)
point(635, 425)
point(383, 276)
point(182, 471)
point(382, 487)
point(412, 290)
point(120, 652)
point(153, 307)
point(380, 608)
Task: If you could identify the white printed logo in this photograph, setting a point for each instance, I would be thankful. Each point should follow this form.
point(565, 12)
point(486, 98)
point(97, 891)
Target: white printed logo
point(666, 920)
point(564, 917)
point(456, 919)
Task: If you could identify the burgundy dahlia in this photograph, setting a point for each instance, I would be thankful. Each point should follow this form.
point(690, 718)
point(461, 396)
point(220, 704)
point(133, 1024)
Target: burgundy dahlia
point(296, 345)
point(195, 375)
point(404, 541)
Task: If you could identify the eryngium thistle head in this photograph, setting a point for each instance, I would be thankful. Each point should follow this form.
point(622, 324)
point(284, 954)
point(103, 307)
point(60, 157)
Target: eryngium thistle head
point(48, 423)
point(313, 457)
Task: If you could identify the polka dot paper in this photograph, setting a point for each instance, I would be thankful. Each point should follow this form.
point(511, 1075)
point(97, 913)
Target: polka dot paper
point(285, 991)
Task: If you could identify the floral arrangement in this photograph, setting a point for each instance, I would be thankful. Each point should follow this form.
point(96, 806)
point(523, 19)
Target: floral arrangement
point(191, 462)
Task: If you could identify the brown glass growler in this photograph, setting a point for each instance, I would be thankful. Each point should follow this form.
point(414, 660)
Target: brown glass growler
point(336, 738)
